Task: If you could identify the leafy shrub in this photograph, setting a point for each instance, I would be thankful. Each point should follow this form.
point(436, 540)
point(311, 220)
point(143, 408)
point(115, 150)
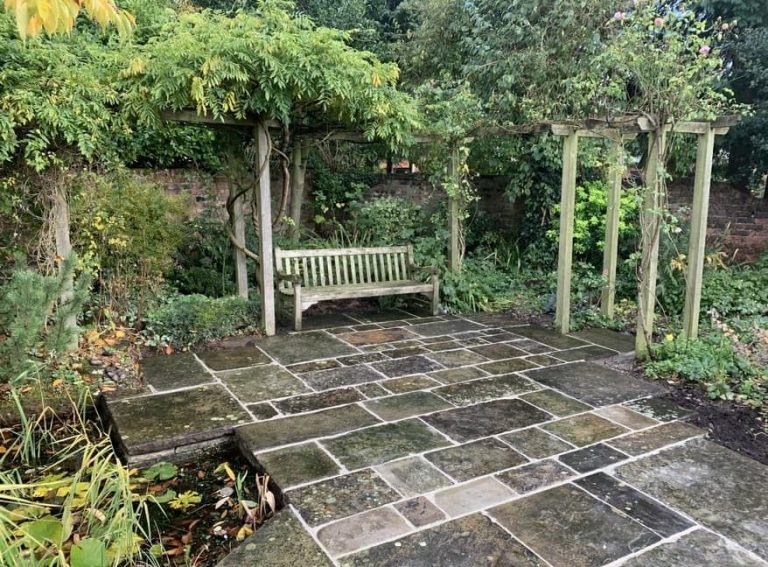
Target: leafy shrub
point(389, 220)
point(185, 320)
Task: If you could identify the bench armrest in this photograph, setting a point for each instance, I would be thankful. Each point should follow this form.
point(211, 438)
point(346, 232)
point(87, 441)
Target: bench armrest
point(427, 269)
point(293, 278)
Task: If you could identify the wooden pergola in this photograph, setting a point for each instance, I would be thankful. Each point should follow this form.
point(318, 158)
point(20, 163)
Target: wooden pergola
point(617, 131)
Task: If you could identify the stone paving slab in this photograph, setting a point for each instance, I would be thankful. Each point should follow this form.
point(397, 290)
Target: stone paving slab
point(262, 383)
point(231, 358)
point(342, 376)
point(420, 511)
point(302, 347)
point(608, 339)
point(327, 399)
point(298, 464)
point(536, 443)
point(479, 458)
point(413, 476)
point(536, 475)
point(485, 389)
point(173, 372)
point(584, 429)
point(393, 408)
point(472, 496)
point(351, 534)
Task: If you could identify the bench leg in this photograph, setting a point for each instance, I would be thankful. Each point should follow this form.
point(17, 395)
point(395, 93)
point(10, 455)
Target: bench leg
point(435, 294)
point(297, 308)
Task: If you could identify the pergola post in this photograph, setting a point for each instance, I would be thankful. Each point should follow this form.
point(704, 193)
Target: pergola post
point(611, 247)
point(454, 252)
point(264, 205)
point(696, 247)
point(650, 227)
point(238, 227)
point(565, 252)
point(297, 187)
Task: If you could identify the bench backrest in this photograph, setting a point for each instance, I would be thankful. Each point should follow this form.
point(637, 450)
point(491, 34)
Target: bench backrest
point(346, 266)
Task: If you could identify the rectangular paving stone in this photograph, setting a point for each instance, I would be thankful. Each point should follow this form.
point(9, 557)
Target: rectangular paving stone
point(535, 443)
point(441, 345)
point(507, 366)
point(499, 351)
point(229, 358)
point(263, 410)
point(485, 389)
point(543, 359)
point(368, 528)
point(594, 384)
point(377, 445)
point(536, 476)
point(555, 403)
point(501, 336)
point(315, 365)
point(372, 390)
point(409, 384)
point(406, 405)
point(457, 358)
point(651, 439)
point(175, 371)
point(403, 352)
point(382, 315)
point(302, 347)
point(475, 459)
point(626, 417)
point(343, 376)
point(286, 430)
point(549, 337)
point(296, 465)
point(413, 476)
point(364, 358)
point(607, 338)
point(378, 336)
point(472, 496)
point(312, 402)
point(660, 409)
point(634, 504)
point(719, 488)
point(473, 541)
point(262, 383)
point(566, 526)
point(454, 375)
point(482, 420)
point(420, 511)
point(590, 352)
point(533, 347)
point(445, 327)
point(341, 496)
point(592, 458)
point(406, 366)
point(584, 429)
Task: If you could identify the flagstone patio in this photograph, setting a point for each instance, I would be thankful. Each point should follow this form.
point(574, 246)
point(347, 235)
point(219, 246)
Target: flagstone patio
point(455, 441)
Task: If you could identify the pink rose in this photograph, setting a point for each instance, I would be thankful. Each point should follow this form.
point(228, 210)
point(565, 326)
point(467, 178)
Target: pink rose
point(704, 50)
point(619, 16)
point(658, 22)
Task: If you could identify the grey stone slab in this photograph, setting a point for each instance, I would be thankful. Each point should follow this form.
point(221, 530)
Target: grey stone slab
point(378, 336)
point(607, 338)
point(376, 445)
point(280, 542)
point(405, 366)
point(383, 315)
point(368, 528)
point(660, 408)
point(634, 504)
point(594, 384)
point(555, 403)
point(175, 371)
point(230, 358)
point(501, 337)
point(342, 376)
point(543, 359)
point(584, 429)
point(533, 347)
point(535, 443)
point(365, 358)
point(592, 458)
point(413, 476)
point(317, 321)
point(536, 476)
point(315, 365)
point(719, 488)
point(590, 352)
point(406, 405)
point(475, 459)
point(696, 549)
point(497, 319)
point(298, 464)
point(286, 430)
point(626, 417)
point(420, 511)
point(409, 384)
point(262, 383)
point(454, 375)
point(566, 526)
point(312, 402)
point(342, 496)
point(303, 347)
point(441, 345)
point(485, 389)
point(651, 439)
point(483, 420)
point(403, 352)
point(473, 541)
point(507, 366)
point(372, 390)
point(445, 328)
point(262, 410)
point(457, 358)
point(472, 496)
point(499, 351)
point(549, 337)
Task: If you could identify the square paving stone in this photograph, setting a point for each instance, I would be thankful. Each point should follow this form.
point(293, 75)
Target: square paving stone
point(457, 358)
point(413, 476)
point(406, 405)
point(651, 439)
point(719, 488)
point(312, 402)
point(262, 383)
point(229, 358)
point(549, 337)
point(445, 328)
point(286, 430)
point(626, 417)
point(584, 429)
point(475, 459)
point(343, 376)
point(368, 528)
point(634, 504)
point(483, 420)
point(592, 458)
point(507, 366)
point(474, 541)
point(420, 511)
point(262, 410)
point(584, 353)
point(499, 351)
point(372, 390)
point(566, 526)
point(175, 371)
point(409, 384)
point(454, 375)
point(556, 403)
point(377, 445)
point(485, 389)
point(405, 366)
point(535, 443)
point(535, 476)
point(298, 464)
point(597, 385)
point(364, 358)
point(314, 365)
point(164, 421)
point(610, 339)
point(303, 347)
point(378, 336)
point(341, 496)
point(660, 408)
point(472, 496)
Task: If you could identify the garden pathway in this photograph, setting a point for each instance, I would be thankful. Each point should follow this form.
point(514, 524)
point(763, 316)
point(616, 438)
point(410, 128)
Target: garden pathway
point(455, 441)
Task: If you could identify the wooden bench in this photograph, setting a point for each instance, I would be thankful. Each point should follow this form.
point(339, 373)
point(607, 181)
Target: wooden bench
point(311, 276)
